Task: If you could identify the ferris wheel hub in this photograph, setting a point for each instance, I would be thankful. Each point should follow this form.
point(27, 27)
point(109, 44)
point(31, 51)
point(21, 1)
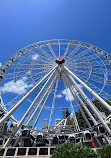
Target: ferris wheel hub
point(60, 60)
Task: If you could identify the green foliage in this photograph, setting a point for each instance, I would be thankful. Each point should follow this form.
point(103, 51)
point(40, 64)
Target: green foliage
point(70, 150)
point(70, 121)
point(80, 119)
point(101, 107)
point(104, 152)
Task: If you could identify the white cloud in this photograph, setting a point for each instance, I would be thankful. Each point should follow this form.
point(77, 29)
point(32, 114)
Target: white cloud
point(0, 64)
point(18, 87)
point(59, 96)
point(28, 72)
point(35, 56)
point(68, 94)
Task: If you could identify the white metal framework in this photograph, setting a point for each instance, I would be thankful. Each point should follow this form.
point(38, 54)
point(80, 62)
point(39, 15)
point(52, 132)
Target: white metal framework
point(34, 78)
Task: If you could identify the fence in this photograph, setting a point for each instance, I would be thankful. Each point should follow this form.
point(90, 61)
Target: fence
point(14, 152)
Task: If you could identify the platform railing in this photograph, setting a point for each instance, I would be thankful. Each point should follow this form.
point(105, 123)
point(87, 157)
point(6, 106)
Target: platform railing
point(13, 152)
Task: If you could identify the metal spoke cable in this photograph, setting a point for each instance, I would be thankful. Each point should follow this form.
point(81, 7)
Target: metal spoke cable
point(46, 54)
point(77, 57)
point(69, 57)
point(66, 51)
point(52, 51)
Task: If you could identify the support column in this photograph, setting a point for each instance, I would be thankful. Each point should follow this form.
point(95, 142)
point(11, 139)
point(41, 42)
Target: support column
point(75, 119)
point(105, 104)
point(84, 106)
point(25, 97)
point(53, 103)
point(29, 109)
point(47, 92)
point(91, 105)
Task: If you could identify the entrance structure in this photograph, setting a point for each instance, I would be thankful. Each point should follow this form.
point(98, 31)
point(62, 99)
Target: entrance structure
point(30, 87)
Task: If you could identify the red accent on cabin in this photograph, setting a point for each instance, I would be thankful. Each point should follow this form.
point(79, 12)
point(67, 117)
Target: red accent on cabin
point(94, 144)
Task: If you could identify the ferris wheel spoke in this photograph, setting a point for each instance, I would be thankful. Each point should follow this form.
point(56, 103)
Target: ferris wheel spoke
point(85, 71)
point(32, 64)
point(99, 91)
point(52, 51)
point(92, 86)
point(22, 72)
point(93, 58)
point(36, 59)
point(46, 54)
point(39, 73)
point(79, 66)
point(43, 54)
point(93, 77)
point(66, 51)
point(90, 58)
point(72, 53)
point(80, 55)
point(12, 102)
point(15, 84)
point(35, 68)
point(100, 71)
point(59, 48)
point(82, 62)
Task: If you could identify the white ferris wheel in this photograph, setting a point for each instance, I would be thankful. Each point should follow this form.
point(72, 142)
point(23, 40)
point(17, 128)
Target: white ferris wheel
point(33, 78)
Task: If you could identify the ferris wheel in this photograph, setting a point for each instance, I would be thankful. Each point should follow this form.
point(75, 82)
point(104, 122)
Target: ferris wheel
point(37, 79)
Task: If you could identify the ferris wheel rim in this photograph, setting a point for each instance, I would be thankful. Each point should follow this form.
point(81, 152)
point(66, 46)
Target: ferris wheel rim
point(58, 40)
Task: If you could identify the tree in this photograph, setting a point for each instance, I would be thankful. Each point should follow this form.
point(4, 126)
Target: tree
point(70, 150)
point(101, 107)
point(81, 122)
point(105, 151)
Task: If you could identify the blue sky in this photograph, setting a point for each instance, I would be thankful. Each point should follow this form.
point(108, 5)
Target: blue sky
point(27, 21)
